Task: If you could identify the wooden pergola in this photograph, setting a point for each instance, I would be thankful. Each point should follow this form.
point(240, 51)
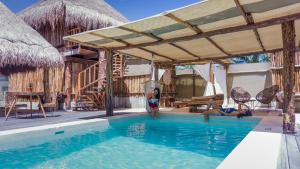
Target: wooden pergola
point(208, 31)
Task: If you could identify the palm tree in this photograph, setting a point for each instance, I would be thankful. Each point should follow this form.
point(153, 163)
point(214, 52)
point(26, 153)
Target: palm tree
point(256, 58)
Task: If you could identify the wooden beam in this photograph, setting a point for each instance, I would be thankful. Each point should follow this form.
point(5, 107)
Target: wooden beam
point(109, 105)
point(186, 62)
point(81, 43)
point(157, 54)
point(196, 30)
point(219, 61)
point(270, 22)
point(128, 44)
point(185, 23)
point(288, 37)
point(111, 38)
point(78, 60)
point(138, 57)
point(160, 39)
point(184, 50)
point(249, 20)
point(141, 33)
point(217, 46)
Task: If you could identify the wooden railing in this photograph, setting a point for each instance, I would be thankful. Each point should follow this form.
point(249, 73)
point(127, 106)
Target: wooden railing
point(73, 32)
point(93, 79)
point(90, 76)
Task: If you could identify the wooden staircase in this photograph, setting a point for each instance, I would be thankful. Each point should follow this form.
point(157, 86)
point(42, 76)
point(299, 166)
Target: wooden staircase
point(91, 84)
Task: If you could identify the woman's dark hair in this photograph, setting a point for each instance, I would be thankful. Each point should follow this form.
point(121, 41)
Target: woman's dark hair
point(157, 96)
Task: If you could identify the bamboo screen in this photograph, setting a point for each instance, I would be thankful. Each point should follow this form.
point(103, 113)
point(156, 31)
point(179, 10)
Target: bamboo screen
point(19, 82)
point(130, 85)
point(277, 70)
point(134, 85)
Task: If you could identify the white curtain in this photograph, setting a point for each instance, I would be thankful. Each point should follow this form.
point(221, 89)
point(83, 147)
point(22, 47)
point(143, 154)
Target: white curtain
point(203, 71)
point(220, 81)
point(161, 73)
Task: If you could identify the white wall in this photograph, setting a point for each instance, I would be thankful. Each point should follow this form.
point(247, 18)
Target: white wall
point(252, 77)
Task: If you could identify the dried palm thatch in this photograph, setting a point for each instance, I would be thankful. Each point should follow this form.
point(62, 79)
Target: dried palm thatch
point(90, 14)
point(21, 47)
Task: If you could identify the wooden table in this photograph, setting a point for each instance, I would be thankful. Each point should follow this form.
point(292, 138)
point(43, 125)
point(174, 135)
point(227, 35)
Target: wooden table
point(26, 95)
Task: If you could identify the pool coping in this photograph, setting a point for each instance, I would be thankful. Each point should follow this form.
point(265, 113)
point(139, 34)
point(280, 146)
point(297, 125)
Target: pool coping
point(260, 148)
point(49, 126)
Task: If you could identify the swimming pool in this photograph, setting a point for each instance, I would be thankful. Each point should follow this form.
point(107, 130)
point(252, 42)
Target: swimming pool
point(138, 142)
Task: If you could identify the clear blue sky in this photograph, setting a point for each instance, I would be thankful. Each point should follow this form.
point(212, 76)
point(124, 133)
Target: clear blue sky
point(132, 9)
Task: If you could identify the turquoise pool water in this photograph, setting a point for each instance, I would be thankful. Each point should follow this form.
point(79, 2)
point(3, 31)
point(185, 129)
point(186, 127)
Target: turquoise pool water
point(173, 141)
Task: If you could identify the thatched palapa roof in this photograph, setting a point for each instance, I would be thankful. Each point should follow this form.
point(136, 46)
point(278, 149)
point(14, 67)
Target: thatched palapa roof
point(21, 47)
point(90, 14)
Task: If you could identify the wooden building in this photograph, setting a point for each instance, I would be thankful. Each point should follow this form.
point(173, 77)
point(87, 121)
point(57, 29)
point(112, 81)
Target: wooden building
point(83, 70)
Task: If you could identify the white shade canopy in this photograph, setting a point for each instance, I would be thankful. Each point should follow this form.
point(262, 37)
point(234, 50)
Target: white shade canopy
point(208, 30)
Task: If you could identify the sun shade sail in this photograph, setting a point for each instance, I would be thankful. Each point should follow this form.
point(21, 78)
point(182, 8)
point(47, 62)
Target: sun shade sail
point(208, 30)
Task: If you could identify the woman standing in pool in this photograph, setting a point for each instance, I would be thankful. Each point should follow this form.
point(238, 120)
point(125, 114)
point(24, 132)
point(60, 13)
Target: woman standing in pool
point(153, 101)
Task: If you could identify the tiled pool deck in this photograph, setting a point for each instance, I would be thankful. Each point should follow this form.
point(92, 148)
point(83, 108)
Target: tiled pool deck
point(264, 147)
point(58, 117)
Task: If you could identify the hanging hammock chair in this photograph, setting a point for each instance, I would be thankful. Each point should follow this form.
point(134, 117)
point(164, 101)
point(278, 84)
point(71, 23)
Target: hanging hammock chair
point(150, 86)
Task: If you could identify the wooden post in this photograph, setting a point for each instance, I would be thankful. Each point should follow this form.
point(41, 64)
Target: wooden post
point(101, 68)
point(46, 82)
point(194, 87)
point(63, 80)
point(68, 84)
point(156, 72)
point(226, 67)
point(212, 78)
point(109, 87)
point(288, 37)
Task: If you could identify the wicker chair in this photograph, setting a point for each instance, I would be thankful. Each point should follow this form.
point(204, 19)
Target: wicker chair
point(53, 104)
point(8, 101)
point(240, 96)
point(267, 95)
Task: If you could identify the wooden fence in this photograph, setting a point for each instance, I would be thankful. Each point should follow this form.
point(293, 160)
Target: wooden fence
point(277, 70)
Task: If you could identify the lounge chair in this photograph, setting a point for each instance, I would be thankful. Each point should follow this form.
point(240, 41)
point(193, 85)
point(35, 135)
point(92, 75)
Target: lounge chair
point(213, 101)
point(53, 104)
point(267, 95)
point(8, 101)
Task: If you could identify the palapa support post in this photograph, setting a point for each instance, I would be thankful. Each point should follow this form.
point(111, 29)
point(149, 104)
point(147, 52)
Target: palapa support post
point(288, 37)
point(109, 80)
point(68, 76)
point(226, 67)
point(46, 81)
point(212, 77)
point(194, 85)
